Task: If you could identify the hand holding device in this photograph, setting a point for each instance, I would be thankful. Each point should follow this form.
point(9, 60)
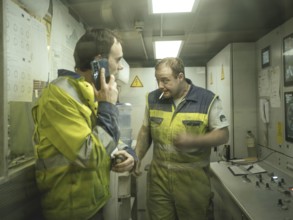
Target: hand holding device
point(105, 87)
point(122, 162)
point(97, 65)
point(119, 159)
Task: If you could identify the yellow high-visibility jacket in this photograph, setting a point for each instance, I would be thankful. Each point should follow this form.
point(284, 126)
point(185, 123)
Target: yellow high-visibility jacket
point(72, 145)
point(178, 181)
point(166, 121)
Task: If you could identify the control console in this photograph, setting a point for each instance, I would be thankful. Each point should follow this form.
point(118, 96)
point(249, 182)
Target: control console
point(265, 195)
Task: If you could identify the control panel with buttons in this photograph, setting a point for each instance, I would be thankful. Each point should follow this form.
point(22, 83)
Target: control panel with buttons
point(267, 195)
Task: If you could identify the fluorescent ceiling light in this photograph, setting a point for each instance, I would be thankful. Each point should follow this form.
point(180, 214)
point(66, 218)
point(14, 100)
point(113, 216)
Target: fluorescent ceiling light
point(167, 48)
point(172, 6)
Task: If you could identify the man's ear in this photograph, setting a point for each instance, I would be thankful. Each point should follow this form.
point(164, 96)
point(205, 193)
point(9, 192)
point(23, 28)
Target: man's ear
point(181, 76)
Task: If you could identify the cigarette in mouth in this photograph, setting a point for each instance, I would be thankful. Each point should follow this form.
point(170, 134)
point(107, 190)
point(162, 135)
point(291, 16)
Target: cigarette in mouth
point(161, 95)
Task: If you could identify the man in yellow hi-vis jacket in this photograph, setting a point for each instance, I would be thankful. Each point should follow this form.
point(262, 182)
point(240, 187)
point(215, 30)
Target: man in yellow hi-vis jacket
point(183, 122)
point(76, 131)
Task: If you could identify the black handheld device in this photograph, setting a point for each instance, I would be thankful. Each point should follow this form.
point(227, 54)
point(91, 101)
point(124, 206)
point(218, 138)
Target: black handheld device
point(119, 159)
point(96, 68)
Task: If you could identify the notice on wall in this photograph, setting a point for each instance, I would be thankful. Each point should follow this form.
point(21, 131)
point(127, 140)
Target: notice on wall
point(26, 52)
point(269, 85)
point(264, 83)
point(65, 32)
point(275, 98)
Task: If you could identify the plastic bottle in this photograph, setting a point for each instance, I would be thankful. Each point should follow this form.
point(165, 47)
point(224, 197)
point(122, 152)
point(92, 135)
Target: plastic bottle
point(250, 143)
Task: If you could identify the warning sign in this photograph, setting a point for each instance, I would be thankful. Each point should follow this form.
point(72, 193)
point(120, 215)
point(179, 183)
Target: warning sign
point(136, 82)
point(222, 73)
point(211, 79)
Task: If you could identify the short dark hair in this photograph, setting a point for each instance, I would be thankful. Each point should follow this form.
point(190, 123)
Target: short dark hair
point(175, 63)
point(93, 43)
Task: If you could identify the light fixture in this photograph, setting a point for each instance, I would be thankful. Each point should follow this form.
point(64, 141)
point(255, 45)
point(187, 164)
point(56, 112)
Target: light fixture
point(169, 48)
point(172, 6)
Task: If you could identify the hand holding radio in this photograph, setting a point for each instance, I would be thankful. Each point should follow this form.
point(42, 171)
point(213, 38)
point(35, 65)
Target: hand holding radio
point(123, 162)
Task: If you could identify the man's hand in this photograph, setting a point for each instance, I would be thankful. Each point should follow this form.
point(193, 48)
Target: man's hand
point(184, 142)
point(108, 91)
point(125, 165)
point(191, 143)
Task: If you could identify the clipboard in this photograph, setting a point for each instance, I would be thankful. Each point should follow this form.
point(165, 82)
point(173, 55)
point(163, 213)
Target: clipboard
point(238, 170)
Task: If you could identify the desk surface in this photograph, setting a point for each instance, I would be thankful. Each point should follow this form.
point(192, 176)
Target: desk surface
point(260, 196)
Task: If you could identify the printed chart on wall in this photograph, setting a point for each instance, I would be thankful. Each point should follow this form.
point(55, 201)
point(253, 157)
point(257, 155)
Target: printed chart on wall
point(269, 85)
point(65, 33)
point(26, 50)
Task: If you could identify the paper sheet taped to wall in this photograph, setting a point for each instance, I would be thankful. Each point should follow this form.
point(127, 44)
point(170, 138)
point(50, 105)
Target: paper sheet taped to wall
point(26, 52)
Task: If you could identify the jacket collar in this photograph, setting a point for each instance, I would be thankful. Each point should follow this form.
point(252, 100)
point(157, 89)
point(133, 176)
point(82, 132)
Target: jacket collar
point(192, 93)
point(64, 72)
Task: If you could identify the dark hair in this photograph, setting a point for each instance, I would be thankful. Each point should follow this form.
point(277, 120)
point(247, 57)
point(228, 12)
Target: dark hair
point(175, 63)
point(93, 43)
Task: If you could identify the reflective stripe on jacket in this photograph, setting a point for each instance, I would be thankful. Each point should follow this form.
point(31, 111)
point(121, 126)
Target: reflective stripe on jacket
point(72, 169)
point(166, 122)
